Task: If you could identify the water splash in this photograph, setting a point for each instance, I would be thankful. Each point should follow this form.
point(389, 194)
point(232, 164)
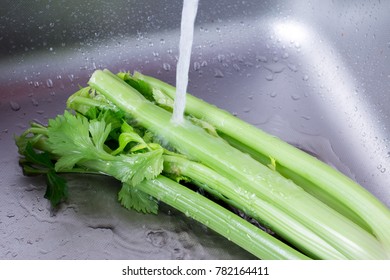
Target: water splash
point(189, 11)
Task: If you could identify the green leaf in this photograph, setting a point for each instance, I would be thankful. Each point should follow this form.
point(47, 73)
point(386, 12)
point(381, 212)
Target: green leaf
point(132, 198)
point(40, 159)
point(127, 136)
point(74, 139)
point(99, 132)
point(57, 189)
point(134, 168)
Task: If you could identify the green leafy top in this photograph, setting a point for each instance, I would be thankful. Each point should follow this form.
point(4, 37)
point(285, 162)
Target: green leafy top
point(73, 143)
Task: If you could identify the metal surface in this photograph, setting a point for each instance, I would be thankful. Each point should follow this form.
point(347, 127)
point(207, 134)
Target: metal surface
point(314, 73)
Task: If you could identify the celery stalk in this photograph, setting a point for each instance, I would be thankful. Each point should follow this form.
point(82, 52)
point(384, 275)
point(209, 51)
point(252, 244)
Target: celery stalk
point(325, 181)
point(217, 218)
point(260, 183)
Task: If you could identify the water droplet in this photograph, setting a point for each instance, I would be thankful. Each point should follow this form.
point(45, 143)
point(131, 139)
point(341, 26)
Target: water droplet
point(218, 73)
point(158, 238)
point(196, 65)
point(150, 44)
point(292, 67)
point(166, 66)
point(236, 67)
point(162, 41)
point(269, 77)
point(34, 102)
point(295, 97)
point(204, 63)
point(261, 58)
point(273, 94)
point(285, 55)
point(221, 58)
point(305, 77)
point(14, 106)
point(275, 67)
point(51, 24)
point(10, 215)
point(156, 54)
point(36, 84)
point(49, 83)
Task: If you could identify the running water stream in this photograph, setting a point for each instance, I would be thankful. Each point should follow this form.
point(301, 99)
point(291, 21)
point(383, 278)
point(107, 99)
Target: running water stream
point(190, 8)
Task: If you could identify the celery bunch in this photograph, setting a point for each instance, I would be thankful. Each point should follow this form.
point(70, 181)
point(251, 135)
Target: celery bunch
point(120, 126)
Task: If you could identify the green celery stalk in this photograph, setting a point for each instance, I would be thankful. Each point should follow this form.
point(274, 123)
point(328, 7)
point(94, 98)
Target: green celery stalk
point(216, 184)
point(219, 219)
point(192, 204)
point(261, 183)
point(334, 187)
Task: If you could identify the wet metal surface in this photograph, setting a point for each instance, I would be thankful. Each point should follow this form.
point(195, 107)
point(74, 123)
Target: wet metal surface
point(315, 74)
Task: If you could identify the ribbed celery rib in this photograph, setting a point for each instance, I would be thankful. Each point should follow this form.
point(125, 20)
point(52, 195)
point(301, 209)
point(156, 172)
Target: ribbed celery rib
point(269, 195)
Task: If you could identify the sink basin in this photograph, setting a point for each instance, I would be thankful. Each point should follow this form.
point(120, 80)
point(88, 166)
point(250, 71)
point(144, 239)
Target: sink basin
point(315, 74)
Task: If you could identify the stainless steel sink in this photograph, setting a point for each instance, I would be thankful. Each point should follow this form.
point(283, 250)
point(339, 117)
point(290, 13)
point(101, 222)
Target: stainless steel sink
point(315, 74)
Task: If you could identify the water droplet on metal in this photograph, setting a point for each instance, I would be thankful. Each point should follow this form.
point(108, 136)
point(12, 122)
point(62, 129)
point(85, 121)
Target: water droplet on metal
point(158, 238)
point(196, 65)
point(49, 83)
point(275, 67)
point(218, 73)
point(34, 102)
point(292, 67)
point(269, 77)
point(295, 97)
point(166, 66)
point(14, 106)
point(273, 94)
point(10, 215)
point(305, 77)
point(261, 58)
